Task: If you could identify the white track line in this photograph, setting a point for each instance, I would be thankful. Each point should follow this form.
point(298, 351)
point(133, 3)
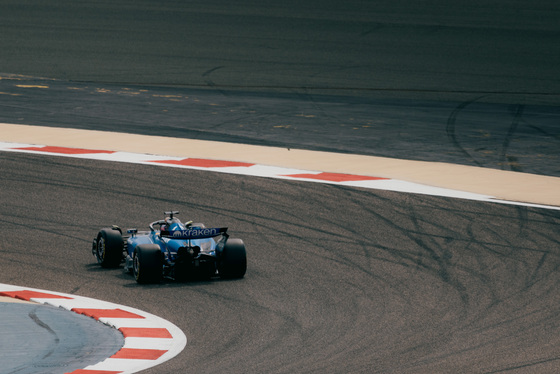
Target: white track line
point(244, 168)
point(148, 339)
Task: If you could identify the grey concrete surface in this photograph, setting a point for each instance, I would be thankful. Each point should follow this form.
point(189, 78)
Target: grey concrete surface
point(37, 338)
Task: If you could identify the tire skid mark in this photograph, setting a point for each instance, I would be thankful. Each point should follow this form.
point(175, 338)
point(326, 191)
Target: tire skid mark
point(43, 325)
point(510, 160)
point(451, 129)
point(484, 253)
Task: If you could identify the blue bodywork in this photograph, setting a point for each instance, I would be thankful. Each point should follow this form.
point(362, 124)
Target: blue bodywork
point(191, 246)
point(172, 249)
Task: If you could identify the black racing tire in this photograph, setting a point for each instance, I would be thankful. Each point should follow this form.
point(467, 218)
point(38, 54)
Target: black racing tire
point(233, 260)
point(147, 264)
point(109, 248)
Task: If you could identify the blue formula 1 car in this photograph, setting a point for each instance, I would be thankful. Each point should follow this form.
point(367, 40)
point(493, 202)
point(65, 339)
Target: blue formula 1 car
point(175, 250)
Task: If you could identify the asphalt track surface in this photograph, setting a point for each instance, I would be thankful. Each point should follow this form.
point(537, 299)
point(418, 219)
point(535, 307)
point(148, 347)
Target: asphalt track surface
point(339, 279)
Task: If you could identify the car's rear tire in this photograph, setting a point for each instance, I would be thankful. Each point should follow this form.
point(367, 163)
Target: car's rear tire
point(147, 264)
point(233, 260)
point(109, 248)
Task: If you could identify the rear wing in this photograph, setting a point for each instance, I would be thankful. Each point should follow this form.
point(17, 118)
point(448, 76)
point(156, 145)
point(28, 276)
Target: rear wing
point(194, 233)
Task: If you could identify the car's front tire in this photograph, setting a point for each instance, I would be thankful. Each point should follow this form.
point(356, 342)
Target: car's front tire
point(147, 264)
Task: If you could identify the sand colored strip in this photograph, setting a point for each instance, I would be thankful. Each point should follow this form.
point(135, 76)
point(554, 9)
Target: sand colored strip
point(7, 299)
point(506, 185)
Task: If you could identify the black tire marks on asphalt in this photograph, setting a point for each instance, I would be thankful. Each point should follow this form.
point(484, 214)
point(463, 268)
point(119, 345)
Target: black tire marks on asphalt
point(451, 130)
point(340, 279)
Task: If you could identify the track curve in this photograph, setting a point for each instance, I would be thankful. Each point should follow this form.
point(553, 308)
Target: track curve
point(339, 279)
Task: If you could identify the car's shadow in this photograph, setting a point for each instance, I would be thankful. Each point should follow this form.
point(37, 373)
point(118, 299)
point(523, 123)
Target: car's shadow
point(121, 273)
